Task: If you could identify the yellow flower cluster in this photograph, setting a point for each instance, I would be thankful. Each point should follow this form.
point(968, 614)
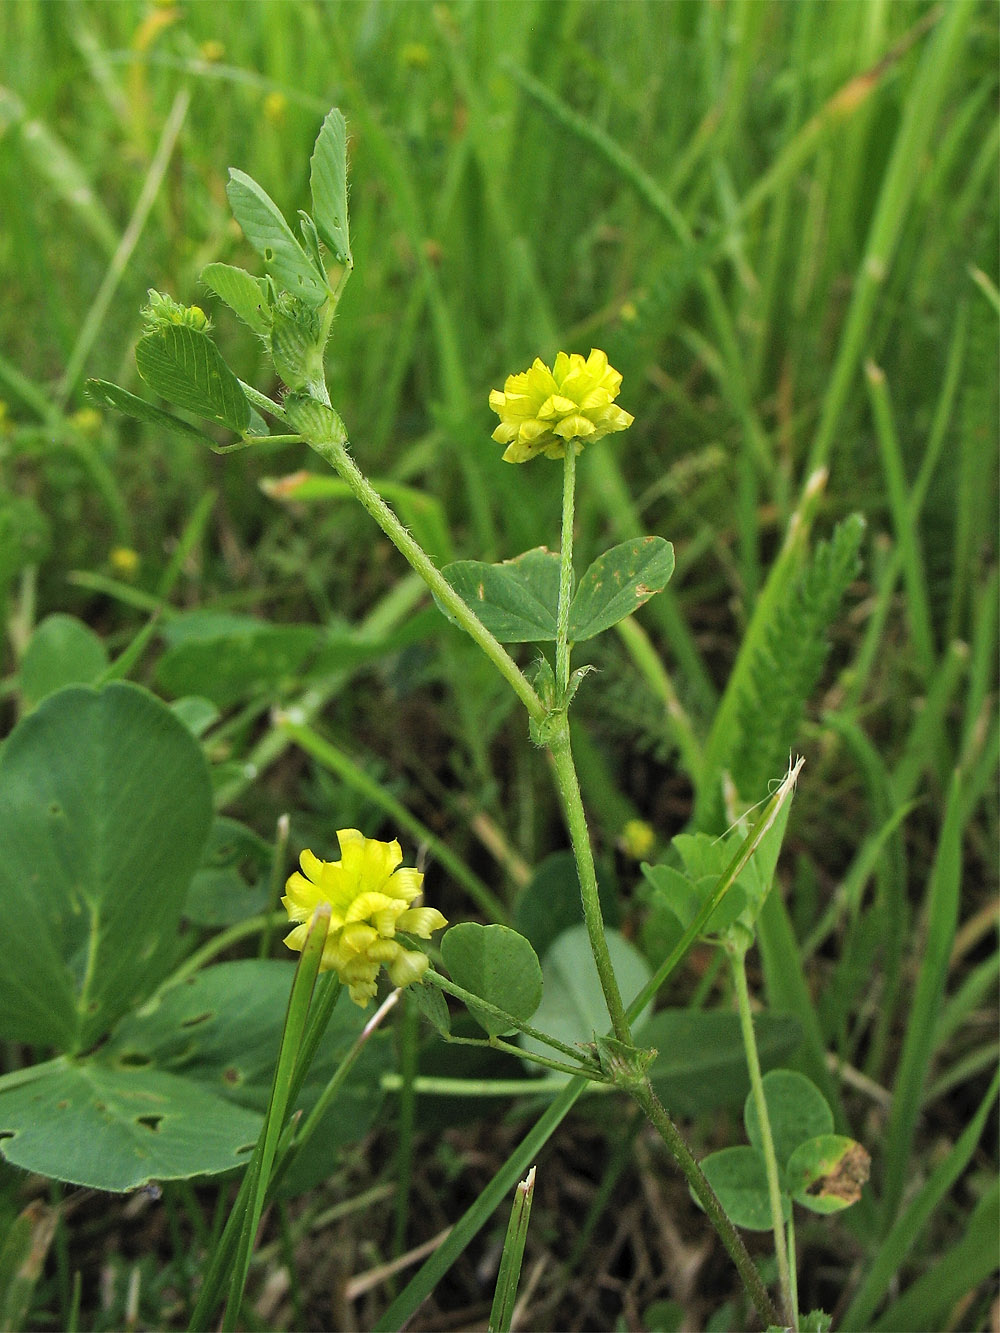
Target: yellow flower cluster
point(543, 410)
point(369, 893)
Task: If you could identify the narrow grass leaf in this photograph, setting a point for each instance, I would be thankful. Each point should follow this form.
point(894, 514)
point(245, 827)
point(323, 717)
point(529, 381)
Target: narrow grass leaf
point(942, 903)
point(513, 1254)
point(909, 1225)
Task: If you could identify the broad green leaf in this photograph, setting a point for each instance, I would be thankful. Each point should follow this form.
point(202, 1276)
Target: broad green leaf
point(105, 803)
point(826, 1174)
point(230, 658)
point(684, 897)
point(701, 1061)
point(196, 713)
point(517, 601)
point(270, 235)
point(105, 394)
point(498, 965)
point(220, 1029)
point(737, 1175)
point(219, 894)
point(796, 1109)
point(573, 1006)
point(62, 651)
point(618, 583)
point(116, 1129)
point(328, 183)
point(242, 292)
point(550, 902)
point(184, 366)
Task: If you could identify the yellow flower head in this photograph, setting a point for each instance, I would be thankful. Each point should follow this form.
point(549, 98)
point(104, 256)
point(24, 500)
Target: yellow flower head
point(638, 839)
point(543, 410)
point(369, 893)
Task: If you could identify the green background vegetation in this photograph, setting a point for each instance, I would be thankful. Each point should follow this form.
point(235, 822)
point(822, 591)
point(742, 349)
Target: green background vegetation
point(780, 222)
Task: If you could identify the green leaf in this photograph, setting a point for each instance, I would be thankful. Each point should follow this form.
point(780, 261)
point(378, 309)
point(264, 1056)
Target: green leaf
point(826, 1174)
point(184, 366)
point(219, 1030)
point(105, 394)
point(62, 651)
point(618, 583)
point(105, 803)
point(498, 965)
point(328, 183)
point(738, 1177)
point(273, 239)
point(550, 901)
point(796, 1109)
point(432, 1005)
point(117, 1129)
point(296, 344)
point(219, 894)
point(517, 600)
point(316, 422)
point(242, 292)
point(701, 1064)
point(573, 1006)
point(684, 897)
point(227, 659)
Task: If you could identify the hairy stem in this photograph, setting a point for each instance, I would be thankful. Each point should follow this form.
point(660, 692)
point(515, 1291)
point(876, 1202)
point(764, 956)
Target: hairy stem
point(576, 822)
point(657, 1115)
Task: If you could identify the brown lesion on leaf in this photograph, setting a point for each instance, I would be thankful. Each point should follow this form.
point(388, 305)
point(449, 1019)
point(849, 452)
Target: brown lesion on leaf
point(643, 590)
point(845, 1179)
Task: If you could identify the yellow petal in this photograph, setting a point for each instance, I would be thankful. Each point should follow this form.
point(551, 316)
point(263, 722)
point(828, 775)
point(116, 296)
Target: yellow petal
point(408, 967)
point(422, 921)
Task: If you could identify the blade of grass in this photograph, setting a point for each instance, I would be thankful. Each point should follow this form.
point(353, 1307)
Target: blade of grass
point(91, 326)
point(901, 506)
point(288, 1064)
point(918, 1050)
point(509, 1275)
point(909, 1226)
point(475, 1218)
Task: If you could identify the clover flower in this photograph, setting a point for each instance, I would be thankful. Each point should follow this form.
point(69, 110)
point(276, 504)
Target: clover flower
point(543, 410)
point(369, 893)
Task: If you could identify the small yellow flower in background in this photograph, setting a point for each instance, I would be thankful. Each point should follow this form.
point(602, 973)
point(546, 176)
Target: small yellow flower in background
point(275, 106)
point(543, 410)
point(124, 561)
point(370, 894)
point(638, 839)
point(87, 420)
point(415, 55)
point(212, 51)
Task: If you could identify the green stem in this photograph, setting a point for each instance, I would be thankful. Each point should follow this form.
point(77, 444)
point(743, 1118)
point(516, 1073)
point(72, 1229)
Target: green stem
point(576, 822)
point(565, 572)
point(737, 960)
point(657, 1115)
point(474, 1002)
point(342, 462)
